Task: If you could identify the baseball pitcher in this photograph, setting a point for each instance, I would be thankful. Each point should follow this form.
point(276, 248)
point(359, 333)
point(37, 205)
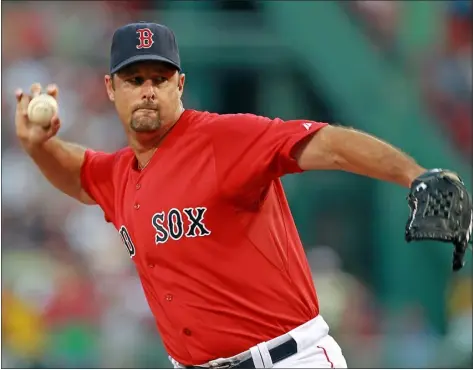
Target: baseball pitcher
point(197, 200)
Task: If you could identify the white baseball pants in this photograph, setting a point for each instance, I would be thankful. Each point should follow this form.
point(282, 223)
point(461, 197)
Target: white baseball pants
point(316, 349)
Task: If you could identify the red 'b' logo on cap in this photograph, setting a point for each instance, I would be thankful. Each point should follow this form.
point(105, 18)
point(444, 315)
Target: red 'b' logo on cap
point(145, 36)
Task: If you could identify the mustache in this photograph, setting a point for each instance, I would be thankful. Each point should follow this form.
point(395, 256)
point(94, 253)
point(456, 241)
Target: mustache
point(146, 106)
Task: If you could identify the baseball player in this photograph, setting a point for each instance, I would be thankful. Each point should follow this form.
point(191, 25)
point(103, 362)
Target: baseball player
point(198, 202)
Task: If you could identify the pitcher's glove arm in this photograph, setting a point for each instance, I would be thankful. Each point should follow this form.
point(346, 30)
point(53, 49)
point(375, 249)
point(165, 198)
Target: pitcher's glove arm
point(440, 209)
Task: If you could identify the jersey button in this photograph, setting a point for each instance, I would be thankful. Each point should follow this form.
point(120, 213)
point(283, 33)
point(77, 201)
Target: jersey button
point(136, 206)
point(150, 266)
point(138, 186)
point(168, 297)
point(187, 332)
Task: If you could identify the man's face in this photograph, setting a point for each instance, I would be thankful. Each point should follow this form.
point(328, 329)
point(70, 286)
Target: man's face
point(147, 95)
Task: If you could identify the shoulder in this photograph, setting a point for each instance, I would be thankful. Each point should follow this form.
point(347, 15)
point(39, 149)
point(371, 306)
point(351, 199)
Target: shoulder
point(122, 160)
point(215, 122)
point(209, 117)
point(124, 154)
point(107, 162)
point(120, 155)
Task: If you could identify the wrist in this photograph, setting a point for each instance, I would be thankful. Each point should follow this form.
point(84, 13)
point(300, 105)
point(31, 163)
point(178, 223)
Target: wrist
point(32, 147)
point(414, 173)
point(28, 146)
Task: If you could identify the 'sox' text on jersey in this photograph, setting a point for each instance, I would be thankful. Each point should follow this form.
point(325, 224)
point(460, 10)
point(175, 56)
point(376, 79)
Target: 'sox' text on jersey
point(173, 224)
point(176, 224)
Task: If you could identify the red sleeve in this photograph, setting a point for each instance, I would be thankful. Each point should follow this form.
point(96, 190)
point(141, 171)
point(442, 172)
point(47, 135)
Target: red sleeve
point(97, 180)
point(251, 151)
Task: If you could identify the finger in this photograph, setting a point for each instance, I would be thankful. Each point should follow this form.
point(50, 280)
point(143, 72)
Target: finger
point(55, 122)
point(23, 104)
point(21, 100)
point(18, 94)
point(457, 263)
point(458, 256)
point(35, 89)
point(53, 90)
point(55, 125)
point(52, 129)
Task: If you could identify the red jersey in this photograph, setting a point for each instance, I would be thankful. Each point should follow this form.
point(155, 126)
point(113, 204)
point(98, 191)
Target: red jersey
point(209, 229)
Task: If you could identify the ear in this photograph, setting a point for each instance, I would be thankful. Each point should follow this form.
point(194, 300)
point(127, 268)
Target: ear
point(181, 83)
point(110, 87)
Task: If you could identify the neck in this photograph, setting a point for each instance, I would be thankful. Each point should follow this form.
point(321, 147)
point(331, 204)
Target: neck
point(144, 157)
point(145, 144)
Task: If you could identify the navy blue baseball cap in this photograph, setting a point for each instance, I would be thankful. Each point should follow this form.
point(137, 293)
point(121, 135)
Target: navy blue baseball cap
point(138, 42)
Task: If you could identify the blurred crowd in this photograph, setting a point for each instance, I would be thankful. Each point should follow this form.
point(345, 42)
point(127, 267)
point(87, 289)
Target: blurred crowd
point(442, 67)
point(373, 336)
point(449, 92)
point(70, 295)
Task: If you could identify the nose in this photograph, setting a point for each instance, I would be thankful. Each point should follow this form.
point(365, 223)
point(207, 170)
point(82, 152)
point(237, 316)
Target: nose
point(148, 92)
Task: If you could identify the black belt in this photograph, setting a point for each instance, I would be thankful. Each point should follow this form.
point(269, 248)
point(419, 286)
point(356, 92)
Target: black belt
point(278, 353)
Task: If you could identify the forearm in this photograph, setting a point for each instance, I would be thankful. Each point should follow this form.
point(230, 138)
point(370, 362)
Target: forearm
point(357, 152)
point(60, 162)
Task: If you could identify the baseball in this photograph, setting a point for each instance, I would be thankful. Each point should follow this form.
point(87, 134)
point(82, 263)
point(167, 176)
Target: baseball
point(41, 109)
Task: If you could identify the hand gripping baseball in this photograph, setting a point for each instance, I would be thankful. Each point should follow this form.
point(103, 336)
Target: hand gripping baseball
point(441, 209)
point(31, 134)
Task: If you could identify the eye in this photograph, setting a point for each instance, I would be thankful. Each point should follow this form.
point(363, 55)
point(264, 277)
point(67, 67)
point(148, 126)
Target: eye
point(159, 80)
point(136, 80)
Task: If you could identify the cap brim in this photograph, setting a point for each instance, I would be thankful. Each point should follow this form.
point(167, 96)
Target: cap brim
point(143, 58)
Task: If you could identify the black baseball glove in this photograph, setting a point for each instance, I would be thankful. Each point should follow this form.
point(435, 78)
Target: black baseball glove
point(441, 209)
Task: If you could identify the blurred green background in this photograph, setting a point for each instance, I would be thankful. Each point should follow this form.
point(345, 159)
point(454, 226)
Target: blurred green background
point(398, 69)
